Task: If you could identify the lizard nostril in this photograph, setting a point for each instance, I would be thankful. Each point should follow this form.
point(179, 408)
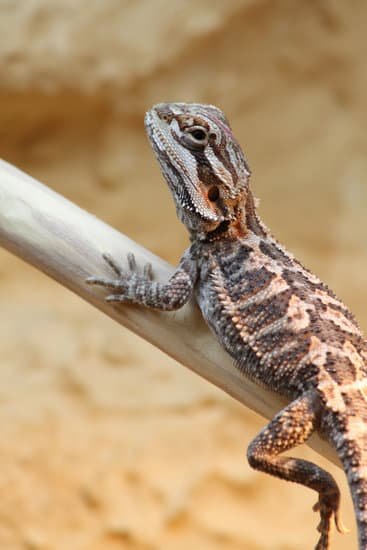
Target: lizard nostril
point(213, 193)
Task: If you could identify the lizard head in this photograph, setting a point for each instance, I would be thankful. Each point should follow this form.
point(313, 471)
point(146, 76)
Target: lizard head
point(202, 162)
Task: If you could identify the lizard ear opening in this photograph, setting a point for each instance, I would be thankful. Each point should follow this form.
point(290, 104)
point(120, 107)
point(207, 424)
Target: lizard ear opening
point(213, 193)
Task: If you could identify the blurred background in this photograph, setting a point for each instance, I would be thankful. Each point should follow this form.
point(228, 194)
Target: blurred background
point(106, 443)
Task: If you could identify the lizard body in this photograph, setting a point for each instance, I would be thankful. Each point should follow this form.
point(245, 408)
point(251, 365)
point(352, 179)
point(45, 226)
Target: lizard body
point(282, 326)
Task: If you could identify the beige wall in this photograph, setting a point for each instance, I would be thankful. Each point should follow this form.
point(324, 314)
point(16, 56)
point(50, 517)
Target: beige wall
point(107, 444)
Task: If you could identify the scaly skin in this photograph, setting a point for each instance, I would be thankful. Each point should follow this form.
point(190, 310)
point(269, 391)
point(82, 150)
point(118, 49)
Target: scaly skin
point(282, 326)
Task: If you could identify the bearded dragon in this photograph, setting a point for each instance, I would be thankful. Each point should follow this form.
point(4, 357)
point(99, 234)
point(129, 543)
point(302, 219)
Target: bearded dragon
point(282, 326)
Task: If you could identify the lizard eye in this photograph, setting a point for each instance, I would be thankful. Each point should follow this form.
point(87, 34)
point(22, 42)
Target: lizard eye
point(199, 134)
point(196, 137)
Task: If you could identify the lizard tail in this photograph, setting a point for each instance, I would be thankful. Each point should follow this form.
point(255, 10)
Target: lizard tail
point(350, 442)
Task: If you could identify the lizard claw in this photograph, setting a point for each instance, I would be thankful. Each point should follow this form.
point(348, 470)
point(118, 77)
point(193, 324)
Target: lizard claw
point(341, 527)
point(148, 271)
point(113, 264)
point(131, 261)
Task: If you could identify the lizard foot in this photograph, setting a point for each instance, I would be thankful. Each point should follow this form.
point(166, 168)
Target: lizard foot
point(328, 507)
point(125, 282)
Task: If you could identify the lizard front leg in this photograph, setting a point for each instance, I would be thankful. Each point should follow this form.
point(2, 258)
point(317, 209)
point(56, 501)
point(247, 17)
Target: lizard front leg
point(292, 427)
point(134, 287)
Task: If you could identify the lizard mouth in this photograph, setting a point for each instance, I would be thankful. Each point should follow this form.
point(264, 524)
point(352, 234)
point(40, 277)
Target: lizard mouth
point(181, 182)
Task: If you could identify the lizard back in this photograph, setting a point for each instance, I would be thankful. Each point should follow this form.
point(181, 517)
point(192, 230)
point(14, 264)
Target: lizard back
point(261, 302)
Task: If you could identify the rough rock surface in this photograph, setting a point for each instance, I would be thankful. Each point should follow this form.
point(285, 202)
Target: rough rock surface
point(107, 444)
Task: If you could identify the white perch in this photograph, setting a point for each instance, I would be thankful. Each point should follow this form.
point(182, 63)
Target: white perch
point(66, 242)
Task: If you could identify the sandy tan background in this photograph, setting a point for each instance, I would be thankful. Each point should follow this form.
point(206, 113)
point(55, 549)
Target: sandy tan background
point(106, 443)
